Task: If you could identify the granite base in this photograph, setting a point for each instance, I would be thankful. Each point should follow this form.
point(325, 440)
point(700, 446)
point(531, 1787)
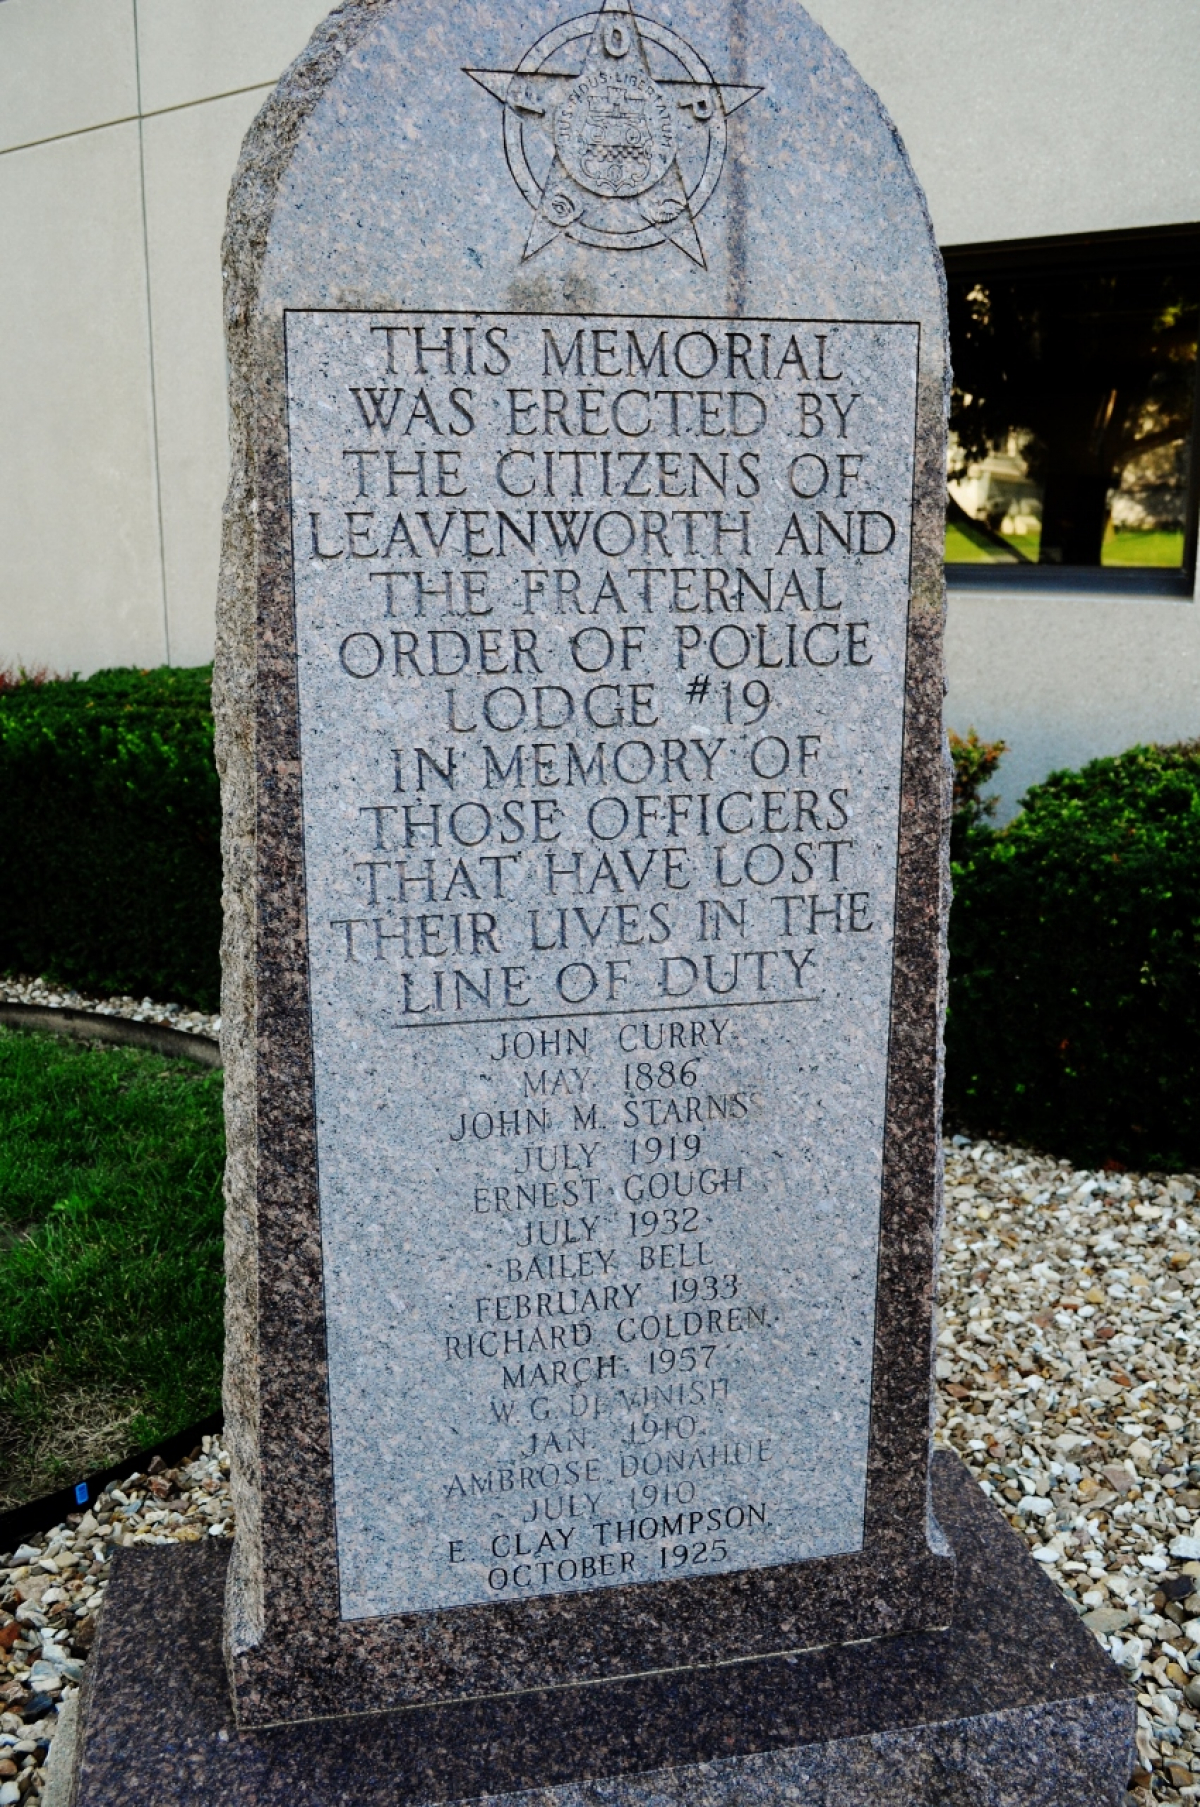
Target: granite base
point(1015, 1705)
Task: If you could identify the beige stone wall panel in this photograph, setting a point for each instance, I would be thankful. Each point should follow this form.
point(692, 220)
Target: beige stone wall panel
point(1065, 679)
point(65, 66)
point(81, 585)
point(188, 156)
point(1033, 119)
point(194, 49)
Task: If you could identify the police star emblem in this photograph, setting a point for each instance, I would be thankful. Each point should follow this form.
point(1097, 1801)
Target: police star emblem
point(615, 132)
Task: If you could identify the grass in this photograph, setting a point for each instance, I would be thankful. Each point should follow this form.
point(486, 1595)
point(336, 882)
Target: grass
point(110, 1255)
point(1027, 544)
point(1125, 546)
point(962, 548)
point(1122, 546)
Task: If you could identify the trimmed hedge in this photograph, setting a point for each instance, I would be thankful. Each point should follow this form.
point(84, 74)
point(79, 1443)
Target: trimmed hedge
point(110, 822)
point(975, 764)
point(1074, 1018)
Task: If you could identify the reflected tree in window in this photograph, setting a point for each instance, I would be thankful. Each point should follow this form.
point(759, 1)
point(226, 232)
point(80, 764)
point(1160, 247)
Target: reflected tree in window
point(1073, 401)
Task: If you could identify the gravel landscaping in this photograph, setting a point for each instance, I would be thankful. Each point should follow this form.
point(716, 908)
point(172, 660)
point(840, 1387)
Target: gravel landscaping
point(16, 989)
point(1067, 1381)
point(52, 1589)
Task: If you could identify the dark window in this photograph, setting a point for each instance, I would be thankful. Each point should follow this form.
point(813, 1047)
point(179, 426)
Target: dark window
point(1074, 405)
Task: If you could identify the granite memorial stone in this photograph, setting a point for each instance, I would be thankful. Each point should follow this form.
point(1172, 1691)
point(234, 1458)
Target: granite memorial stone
point(579, 699)
point(601, 713)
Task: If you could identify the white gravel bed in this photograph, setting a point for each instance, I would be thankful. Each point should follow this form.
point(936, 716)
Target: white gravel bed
point(52, 1588)
point(1066, 1364)
point(17, 989)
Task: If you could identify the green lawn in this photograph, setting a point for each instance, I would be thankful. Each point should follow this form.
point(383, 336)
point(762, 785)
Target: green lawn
point(1121, 547)
point(110, 1255)
point(967, 544)
point(962, 548)
point(1126, 547)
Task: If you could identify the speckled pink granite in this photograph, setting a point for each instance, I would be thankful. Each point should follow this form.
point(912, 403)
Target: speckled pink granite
point(1014, 1706)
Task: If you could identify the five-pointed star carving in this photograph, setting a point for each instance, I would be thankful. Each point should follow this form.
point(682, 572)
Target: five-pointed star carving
point(536, 96)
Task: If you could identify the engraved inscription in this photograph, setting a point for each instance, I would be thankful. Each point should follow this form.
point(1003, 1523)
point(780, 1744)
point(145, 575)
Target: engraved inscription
point(601, 635)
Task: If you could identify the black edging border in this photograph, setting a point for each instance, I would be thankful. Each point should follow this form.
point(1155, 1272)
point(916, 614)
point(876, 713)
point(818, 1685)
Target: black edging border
point(51, 1509)
point(88, 1025)
point(43, 1514)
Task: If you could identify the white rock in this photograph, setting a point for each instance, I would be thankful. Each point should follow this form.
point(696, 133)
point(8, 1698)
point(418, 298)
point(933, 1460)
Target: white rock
point(45, 1678)
point(1071, 1393)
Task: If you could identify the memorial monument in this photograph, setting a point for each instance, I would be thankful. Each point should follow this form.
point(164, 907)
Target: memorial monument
point(579, 698)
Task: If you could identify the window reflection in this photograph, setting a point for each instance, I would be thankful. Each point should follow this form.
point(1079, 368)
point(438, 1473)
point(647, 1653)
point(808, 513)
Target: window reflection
point(1073, 402)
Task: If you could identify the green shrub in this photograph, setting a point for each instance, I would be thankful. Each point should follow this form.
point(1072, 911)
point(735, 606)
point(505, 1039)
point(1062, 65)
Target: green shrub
point(1074, 1018)
point(975, 764)
point(110, 822)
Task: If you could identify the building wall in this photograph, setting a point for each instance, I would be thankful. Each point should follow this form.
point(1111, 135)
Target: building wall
point(120, 122)
point(1067, 678)
point(120, 125)
point(1038, 116)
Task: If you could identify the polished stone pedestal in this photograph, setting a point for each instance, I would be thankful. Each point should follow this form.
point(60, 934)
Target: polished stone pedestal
point(1015, 1705)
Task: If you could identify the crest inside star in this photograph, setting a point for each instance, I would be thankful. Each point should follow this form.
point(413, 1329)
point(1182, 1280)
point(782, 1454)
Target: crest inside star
point(615, 50)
